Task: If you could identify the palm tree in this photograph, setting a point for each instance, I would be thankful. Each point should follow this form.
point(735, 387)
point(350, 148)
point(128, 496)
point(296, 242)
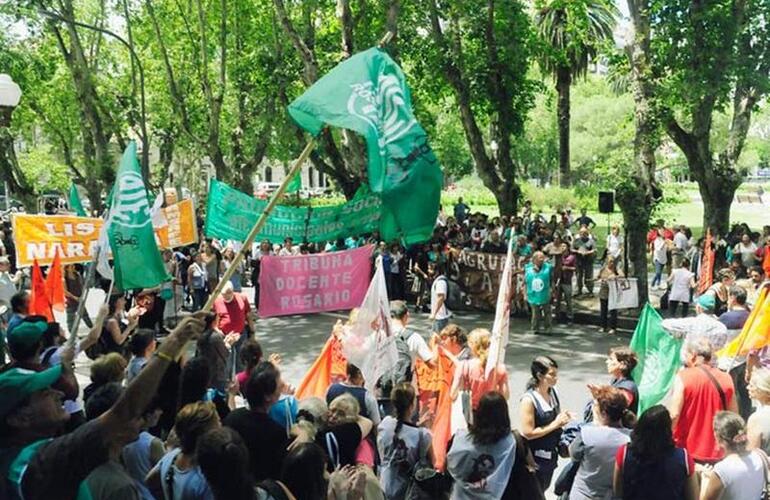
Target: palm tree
point(570, 33)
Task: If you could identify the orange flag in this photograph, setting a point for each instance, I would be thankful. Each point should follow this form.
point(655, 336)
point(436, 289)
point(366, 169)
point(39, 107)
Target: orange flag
point(756, 330)
point(434, 384)
point(707, 265)
point(330, 366)
point(54, 284)
point(38, 300)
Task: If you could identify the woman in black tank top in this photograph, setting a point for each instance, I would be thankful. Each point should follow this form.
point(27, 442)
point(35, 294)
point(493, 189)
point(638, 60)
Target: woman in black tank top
point(542, 419)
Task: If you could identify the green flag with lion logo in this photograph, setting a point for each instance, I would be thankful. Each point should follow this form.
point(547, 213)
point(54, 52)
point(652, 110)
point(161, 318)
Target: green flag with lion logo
point(138, 263)
point(367, 93)
point(658, 358)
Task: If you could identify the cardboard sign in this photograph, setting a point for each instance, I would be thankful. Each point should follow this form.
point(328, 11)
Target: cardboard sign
point(180, 229)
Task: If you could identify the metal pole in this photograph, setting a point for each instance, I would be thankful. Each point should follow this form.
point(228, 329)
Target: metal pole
point(83, 297)
point(259, 224)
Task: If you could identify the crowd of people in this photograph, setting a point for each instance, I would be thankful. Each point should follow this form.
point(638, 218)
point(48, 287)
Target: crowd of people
point(162, 420)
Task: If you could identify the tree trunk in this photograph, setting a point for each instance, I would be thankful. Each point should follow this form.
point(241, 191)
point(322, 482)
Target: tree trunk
point(507, 195)
point(717, 193)
point(638, 193)
point(563, 84)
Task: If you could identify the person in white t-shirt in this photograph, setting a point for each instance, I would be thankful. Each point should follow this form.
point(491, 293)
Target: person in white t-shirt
point(288, 248)
point(439, 291)
point(741, 474)
point(659, 257)
point(418, 348)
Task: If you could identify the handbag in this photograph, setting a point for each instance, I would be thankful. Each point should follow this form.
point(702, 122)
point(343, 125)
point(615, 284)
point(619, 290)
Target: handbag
point(664, 301)
point(427, 483)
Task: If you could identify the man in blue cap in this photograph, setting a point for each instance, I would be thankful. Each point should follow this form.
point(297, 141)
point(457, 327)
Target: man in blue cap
point(703, 325)
point(34, 464)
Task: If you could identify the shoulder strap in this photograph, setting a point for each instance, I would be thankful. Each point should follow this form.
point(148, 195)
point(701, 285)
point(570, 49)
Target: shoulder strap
point(46, 359)
point(535, 400)
point(332, 447)
point(722, 396)
point(555, 396)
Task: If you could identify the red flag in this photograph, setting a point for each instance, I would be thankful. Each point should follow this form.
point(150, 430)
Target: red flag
point(38, 300)
point(434, 384)
point(707, 265)
point(54, 284)
point(330, 366)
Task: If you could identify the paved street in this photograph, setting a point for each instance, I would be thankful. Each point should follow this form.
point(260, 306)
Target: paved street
point(579, 350)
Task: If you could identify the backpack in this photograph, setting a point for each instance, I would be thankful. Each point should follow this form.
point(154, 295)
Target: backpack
point(402, 370)
point(454, 295)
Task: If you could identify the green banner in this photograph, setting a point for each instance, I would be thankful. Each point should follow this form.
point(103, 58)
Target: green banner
point(230, 215)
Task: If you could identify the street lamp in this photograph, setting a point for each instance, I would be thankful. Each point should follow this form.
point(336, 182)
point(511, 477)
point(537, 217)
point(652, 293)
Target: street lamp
point(10, 95)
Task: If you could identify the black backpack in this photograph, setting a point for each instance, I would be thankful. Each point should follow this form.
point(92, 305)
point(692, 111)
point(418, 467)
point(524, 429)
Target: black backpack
point(402, 370)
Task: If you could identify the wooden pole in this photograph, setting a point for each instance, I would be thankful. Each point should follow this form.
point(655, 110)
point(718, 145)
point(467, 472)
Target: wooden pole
point(259, 224)
point(269, 208)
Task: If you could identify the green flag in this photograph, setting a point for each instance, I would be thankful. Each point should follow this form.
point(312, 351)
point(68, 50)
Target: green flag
point(75, 204)
point(658, 358)
point(138, 263)
point(295, 184)
point(367, 93)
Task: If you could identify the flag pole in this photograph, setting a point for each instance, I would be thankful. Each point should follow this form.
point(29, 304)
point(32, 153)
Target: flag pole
point(87, 284)
point(743, 340)
point(270, 206)
point(82, 303)
point(260, 223)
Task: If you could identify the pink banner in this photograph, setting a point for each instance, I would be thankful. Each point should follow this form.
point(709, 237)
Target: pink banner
point(313, 283)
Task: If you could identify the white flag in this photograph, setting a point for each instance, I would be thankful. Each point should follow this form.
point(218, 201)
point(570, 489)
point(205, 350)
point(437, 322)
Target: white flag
point(103, 247)
point(369, 342)
point(500, 328)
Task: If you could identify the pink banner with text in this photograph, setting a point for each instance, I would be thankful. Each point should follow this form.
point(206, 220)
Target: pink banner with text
point(313, 283)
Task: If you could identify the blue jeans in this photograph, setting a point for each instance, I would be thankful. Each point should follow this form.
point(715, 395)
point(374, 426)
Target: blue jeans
point(658, 273)
point(439, 324)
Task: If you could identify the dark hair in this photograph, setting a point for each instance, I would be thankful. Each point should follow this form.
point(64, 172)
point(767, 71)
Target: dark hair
point(739, 294)
point(141, 340)
point(102, 399)
point(627, 357)
point(539, 368)
point(51, 334)
point(402, 396)
point(398, 309)
point(303, 472)
point(224, 461)
point(251, 354)
point(17, 301)
point(353, 371)
point(491, 421)
point(192, 421)
point(194, 381)
point(112, 302)
point(652, 438)
point(730, 430)
point(757, 269)
point(263, 382)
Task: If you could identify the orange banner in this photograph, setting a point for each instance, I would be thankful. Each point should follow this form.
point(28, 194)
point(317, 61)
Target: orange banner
point(181, 229)
point(39, 236)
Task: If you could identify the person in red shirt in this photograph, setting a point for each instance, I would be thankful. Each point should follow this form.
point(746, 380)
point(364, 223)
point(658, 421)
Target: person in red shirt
point(700, 391)
point(233, 316)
